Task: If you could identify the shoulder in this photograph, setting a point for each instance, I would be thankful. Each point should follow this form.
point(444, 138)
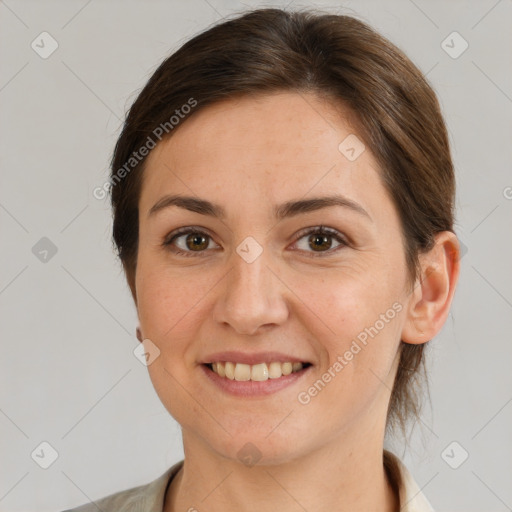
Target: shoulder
point(146, 497)
point(411, 497)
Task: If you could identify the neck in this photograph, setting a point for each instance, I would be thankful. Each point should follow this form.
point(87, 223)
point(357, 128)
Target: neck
point(334, 477)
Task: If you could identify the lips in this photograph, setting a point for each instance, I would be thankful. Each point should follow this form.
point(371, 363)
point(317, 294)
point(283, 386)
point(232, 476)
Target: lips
point(253, 389)
point(253, 374)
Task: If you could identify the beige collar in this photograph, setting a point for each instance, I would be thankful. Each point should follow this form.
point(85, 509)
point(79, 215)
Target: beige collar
point(410, 495)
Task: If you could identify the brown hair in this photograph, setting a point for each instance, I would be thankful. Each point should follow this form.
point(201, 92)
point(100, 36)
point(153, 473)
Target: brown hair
point(334, 56)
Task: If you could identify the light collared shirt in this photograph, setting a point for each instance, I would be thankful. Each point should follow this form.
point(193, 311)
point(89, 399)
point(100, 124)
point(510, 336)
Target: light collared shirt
point(150, 497)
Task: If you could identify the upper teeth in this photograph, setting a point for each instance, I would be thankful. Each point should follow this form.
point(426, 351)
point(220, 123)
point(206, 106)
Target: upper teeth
point(260, 372)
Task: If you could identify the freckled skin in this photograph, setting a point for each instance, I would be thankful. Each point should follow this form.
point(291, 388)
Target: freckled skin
point(248, 155)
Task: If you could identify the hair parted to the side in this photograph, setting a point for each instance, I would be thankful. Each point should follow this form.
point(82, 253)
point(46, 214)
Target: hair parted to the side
point(339, 58)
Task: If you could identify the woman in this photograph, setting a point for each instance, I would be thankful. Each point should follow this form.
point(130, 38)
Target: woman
point(283, 194)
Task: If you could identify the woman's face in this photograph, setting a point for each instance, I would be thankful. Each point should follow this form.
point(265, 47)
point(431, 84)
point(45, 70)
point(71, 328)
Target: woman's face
point(254, 282)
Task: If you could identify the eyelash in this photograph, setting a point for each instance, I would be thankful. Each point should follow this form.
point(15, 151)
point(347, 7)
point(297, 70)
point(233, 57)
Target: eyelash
point(321, 230)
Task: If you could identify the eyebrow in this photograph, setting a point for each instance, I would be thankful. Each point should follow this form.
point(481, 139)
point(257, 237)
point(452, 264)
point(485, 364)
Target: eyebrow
point(285, 210)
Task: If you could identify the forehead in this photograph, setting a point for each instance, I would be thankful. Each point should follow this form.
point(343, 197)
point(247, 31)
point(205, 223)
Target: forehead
point(276, 146)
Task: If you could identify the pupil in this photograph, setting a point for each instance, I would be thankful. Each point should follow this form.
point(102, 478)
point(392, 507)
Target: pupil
point(319, 240)
point(197, 240)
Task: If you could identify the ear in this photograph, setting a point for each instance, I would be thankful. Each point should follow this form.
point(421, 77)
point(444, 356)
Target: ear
point(428, 305)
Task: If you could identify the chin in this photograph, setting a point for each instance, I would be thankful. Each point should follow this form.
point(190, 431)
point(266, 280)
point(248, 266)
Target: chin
point(258, 449)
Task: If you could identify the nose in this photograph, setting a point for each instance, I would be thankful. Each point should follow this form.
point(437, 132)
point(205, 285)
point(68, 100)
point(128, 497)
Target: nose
point(251, 297)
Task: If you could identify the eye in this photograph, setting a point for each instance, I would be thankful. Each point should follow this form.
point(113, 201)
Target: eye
point(196, 241)
point(318, 238)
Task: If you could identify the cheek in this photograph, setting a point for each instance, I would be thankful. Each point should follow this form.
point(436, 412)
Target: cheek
point(358, 349)
point(355, 321)
point(163, 295)
point(340, 303)
point(171, 309)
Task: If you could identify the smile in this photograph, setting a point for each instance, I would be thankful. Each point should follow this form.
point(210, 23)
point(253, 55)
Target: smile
point(256, 372)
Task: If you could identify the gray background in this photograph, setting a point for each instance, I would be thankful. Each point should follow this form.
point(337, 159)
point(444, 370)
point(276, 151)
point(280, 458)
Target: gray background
point(68, 373)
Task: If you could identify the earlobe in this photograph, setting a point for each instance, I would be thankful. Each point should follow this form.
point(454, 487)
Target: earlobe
point(429, 303)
